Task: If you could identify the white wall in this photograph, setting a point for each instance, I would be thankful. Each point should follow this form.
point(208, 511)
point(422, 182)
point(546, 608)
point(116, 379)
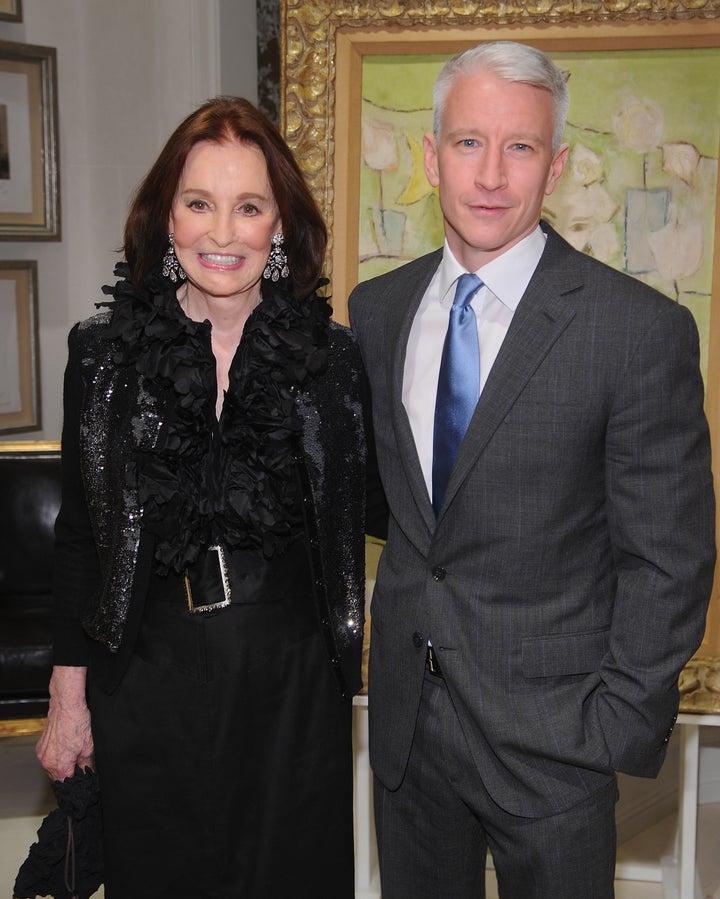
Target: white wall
point(128, 72)
point(238, 48)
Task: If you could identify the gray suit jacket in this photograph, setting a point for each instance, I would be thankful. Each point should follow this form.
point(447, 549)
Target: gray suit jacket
point(566, 580)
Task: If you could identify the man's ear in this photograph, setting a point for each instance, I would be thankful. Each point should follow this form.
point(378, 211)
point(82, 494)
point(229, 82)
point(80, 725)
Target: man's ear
point(556, 169)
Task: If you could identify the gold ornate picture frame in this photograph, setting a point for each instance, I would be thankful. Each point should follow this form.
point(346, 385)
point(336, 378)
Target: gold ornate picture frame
point(324, 46)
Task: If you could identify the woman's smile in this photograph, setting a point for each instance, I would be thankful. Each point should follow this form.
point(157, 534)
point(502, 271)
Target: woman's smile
point(217, 260)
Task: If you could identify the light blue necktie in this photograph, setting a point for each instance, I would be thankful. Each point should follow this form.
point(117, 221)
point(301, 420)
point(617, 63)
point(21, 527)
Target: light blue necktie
point(458, 385)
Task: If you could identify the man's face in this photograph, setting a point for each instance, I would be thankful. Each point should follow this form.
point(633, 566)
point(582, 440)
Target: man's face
point(493, 164)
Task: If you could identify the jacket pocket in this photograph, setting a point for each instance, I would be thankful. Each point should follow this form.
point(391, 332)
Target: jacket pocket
point(562, 655)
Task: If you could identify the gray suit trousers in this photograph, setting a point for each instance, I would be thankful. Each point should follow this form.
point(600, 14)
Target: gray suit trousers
point(435, 829)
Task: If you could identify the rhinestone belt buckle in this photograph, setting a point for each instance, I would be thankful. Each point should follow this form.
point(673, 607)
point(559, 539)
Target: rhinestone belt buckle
point(224, 579)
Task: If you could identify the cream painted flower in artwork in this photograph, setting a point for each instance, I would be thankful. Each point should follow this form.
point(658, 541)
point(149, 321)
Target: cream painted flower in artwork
point(585, 166)
point(639, 124)
point(582, 208)
point(677, 250)
point(678, 247)
point(681, 159)
point(379, 146)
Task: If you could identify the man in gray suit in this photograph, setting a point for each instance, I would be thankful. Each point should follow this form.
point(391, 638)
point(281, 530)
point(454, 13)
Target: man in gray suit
point(541, 589)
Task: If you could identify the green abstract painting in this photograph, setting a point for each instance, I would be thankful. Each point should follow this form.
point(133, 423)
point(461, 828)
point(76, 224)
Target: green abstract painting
point(640, 188)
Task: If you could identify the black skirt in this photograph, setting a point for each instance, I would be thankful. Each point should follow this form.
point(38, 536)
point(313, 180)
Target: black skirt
point(225, 755)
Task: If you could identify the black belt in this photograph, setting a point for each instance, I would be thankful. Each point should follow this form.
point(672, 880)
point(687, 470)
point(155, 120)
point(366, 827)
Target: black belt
point(219, 578)
point(432, 665)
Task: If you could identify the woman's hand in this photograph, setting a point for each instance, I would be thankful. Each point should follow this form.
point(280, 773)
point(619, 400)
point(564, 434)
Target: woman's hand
point(66, 740)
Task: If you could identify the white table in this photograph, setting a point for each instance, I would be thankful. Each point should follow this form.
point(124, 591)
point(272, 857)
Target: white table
point(686, 839)
point(367, 872)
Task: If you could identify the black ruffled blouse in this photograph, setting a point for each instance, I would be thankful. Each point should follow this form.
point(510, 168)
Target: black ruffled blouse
point(231, 480)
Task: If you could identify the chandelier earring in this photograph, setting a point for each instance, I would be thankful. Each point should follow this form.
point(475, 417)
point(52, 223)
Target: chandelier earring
point(277, 264)
point(171, 268)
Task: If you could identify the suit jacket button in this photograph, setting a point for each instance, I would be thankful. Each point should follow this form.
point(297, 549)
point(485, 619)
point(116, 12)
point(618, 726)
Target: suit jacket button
point(438, 573)
point(417, 639)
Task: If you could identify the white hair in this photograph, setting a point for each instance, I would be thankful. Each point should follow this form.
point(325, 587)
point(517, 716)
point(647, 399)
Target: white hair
point(511, 61)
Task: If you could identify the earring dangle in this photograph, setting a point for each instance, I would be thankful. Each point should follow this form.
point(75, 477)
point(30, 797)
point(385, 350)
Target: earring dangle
point(171, 268)
point(277, 264)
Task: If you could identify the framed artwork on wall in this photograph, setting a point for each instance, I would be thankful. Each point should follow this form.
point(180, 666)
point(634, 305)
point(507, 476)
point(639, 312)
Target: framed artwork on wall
point(640, 190)
point(29, 174)
point(10, 10)
point(20, 356)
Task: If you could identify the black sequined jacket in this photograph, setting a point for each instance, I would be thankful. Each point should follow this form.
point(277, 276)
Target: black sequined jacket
point(113, 419)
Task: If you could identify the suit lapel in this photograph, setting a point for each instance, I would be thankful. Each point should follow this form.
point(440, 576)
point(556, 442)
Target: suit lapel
point(541, 317)
point(400, 326)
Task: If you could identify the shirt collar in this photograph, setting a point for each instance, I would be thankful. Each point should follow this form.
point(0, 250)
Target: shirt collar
point(507, 276)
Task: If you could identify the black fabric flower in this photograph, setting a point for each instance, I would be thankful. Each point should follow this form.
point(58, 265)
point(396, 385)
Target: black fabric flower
point(235, 480)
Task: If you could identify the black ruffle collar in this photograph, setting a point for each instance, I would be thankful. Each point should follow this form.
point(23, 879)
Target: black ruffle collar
point(232, 481)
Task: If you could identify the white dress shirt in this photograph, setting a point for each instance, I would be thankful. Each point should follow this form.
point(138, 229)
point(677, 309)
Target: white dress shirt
point(504, 282)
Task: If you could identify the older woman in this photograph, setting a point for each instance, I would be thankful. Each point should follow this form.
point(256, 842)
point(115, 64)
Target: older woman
point(209, 562)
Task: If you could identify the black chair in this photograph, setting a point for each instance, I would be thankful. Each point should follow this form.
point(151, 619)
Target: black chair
point(29, 503)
